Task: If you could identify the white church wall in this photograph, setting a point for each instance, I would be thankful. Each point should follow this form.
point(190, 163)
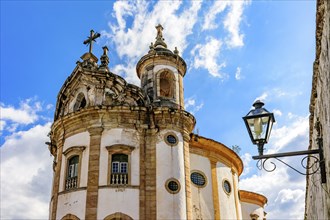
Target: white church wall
point(123, 136)
point(81, 139)
point(72, 203)
point(170, 164)
point(249, 208)
point(226, 201)
point(124, 200)
point(202, 197)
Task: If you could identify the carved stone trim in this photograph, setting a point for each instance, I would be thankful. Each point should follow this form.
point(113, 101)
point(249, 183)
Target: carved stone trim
point(77, 149)
point(120, 148)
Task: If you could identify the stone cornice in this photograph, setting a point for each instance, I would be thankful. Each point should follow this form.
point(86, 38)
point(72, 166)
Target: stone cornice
point(162, 58)
point(138, 118)
point(252, 197)
point(216, 151)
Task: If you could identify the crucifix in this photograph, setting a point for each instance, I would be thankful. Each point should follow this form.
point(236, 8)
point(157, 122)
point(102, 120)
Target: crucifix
point(90, 40)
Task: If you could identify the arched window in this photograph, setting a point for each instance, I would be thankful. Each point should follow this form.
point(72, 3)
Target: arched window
point(80, 102)
point(70, 217)
point(72, 173)
point(118, 216)
point(119, 169)
point(166, 84)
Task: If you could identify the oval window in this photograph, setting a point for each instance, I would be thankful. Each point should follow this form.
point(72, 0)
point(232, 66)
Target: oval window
point(226, 186)
point(171, 139)
point(198, 179)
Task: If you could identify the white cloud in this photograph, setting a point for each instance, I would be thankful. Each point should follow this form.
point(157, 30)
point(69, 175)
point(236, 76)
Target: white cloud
point(287, 195)
point(246, 158)
point(238, 73)
point(283, 136)
point(191, 106)
point(262, 97)
point(26, 174)
point(277, 112)
point(211, 15)
point(25, 114)
point(2, 125)
point(124, 70)
point(232, 23)
point(177, 26)
point(205, 56)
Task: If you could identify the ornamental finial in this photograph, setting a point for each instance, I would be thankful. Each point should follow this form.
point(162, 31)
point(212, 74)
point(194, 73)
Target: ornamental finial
point(160, 29)
point(159, 37)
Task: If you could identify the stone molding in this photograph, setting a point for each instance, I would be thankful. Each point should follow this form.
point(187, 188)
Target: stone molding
point(252, 197)
point(161, 59)
point(215, 151)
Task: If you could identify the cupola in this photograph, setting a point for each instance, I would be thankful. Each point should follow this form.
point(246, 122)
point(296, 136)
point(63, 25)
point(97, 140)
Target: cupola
point(161, 72)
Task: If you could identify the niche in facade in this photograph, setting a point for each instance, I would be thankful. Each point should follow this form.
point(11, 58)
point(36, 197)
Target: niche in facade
point(80, 102)
point(166, 84)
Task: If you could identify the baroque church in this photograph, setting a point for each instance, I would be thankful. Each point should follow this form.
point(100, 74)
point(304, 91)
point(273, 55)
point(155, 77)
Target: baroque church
point(128, 152)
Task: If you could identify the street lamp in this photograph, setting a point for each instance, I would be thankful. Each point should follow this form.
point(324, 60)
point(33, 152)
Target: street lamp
point(259, 123)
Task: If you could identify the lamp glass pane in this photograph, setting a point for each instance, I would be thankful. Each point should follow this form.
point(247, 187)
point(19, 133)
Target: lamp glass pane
point(258, 127)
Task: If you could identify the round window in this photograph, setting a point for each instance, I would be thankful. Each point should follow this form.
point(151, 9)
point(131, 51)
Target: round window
point(171, 139)
point(172, 186)
point(226, 186)
point(198, 179)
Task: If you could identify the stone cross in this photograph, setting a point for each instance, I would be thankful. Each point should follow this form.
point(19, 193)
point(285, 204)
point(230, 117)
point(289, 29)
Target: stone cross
point(90, 40)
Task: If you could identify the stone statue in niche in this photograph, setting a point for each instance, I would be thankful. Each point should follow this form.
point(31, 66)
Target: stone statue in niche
point(108, 96)
point(150, 93)
point(91, 96)
point(98, 96)
point(165, 89)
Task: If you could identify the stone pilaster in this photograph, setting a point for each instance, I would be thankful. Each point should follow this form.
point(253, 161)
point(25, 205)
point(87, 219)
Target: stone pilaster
point(215, 190)
point(235, 191)
point(186, 154)
point(142, 211)
point(150, 192)
point(56, 183)
point(93, 172)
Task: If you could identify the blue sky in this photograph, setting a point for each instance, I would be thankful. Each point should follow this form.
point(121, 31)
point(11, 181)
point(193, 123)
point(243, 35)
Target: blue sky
point(236, 52)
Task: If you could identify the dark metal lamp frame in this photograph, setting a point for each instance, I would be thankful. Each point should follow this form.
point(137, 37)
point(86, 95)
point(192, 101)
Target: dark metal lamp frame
point(311, 168)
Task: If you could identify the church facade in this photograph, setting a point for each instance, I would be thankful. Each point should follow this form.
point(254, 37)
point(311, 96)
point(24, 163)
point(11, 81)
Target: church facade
point(128, 152)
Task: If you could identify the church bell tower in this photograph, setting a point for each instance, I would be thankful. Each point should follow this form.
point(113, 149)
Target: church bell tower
point(161, 72)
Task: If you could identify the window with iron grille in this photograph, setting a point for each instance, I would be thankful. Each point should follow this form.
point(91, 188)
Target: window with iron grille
point(198, 179)
point(119, 169)
point(72, 173)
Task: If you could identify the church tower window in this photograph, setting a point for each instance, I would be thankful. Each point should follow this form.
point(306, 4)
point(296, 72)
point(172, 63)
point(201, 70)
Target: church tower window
point(166, 84)
point(72, 173)
point(80, 102)
point(119, 169)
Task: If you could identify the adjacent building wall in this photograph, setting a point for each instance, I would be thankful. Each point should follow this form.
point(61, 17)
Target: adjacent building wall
point(317, 194)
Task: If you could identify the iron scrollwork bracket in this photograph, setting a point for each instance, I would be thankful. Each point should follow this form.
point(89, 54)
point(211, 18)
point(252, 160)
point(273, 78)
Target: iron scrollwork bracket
point(313, 167)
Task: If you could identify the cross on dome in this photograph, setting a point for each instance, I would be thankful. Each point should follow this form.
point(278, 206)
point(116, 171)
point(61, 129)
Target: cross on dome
point(90, 40)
